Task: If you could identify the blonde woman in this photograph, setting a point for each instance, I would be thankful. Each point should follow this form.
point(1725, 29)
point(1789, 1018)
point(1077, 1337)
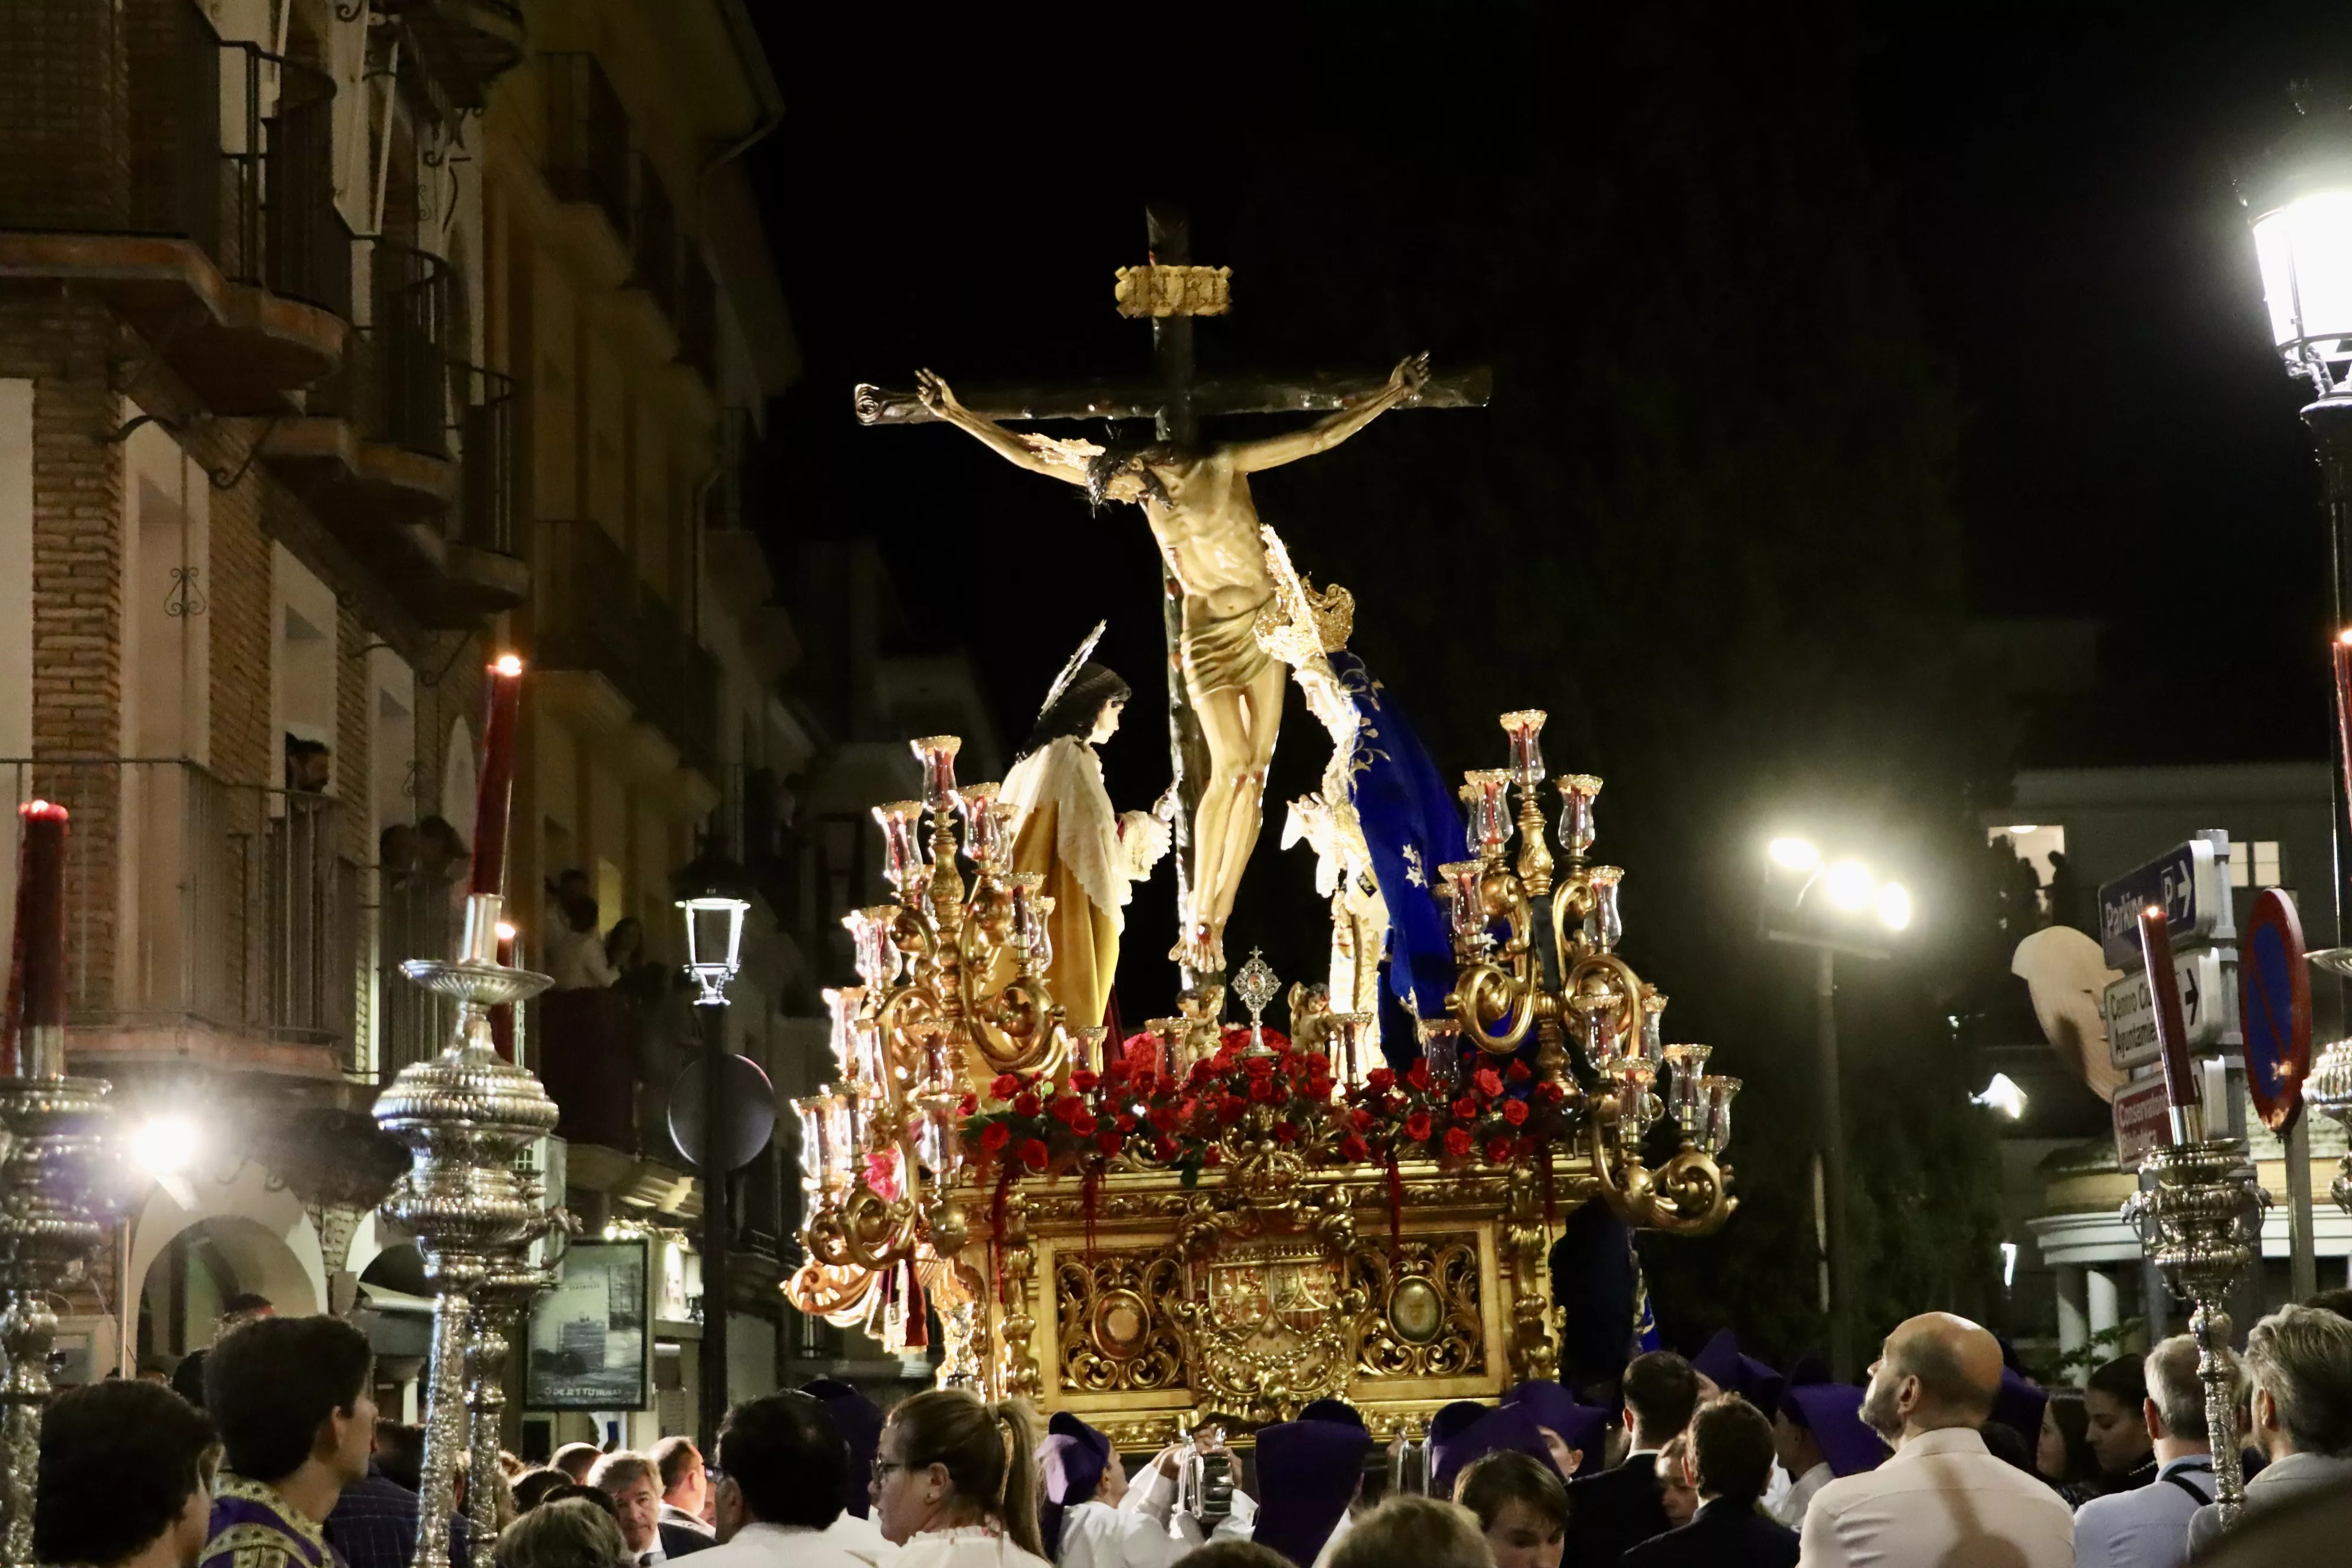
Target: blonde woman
point(955, 1482)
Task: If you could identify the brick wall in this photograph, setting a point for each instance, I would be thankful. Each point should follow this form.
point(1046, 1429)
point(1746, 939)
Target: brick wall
point(64, 92)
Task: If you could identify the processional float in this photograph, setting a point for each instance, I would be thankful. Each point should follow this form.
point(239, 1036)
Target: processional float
point(1211, 1219)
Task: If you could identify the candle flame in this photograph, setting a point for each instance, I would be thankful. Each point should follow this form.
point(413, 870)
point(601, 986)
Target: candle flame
point(506, 930)
point(507, 665)
point(42, 809)
point(2152, 909)
point(2344, 636)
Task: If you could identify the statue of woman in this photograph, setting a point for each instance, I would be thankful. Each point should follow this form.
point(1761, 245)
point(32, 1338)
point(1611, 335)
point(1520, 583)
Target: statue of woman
point(1063, 827)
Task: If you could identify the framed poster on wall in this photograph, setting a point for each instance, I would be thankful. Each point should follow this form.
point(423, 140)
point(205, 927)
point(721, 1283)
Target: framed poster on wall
point(590, 1337)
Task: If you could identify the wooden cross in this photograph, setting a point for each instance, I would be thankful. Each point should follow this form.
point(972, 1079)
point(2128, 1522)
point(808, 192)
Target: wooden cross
point(1175, 400)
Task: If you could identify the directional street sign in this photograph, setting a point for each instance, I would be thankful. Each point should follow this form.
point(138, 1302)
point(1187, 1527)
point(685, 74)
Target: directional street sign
point(2204, 1005)
point(2277, 1010)
point(2142, 1126)
point(2185, 881)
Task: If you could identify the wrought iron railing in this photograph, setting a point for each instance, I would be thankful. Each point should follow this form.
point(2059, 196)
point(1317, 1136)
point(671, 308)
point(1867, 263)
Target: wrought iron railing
point(409, 332)
point(596, 612)
point(197, 902)
point(490, 431)
point(289, 238)
point(415, 917)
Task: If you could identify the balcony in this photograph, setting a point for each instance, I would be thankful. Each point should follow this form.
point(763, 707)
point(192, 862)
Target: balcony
point(223, 246)
point(429, 516)
point(595, 614)
point(207, 920)
point(588, 151)
point(466, 45)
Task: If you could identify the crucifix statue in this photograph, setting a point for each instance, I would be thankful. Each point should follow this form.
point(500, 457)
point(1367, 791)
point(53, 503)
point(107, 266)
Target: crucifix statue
point(1225, 691)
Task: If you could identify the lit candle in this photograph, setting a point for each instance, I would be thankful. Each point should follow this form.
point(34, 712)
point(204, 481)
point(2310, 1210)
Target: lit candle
point(2171, 1031)
point(504, 689)
point(502, 1016)
point(32, 1045)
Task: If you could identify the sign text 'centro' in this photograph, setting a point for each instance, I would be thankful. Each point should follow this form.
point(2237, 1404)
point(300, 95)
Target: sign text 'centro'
point(2184, 882)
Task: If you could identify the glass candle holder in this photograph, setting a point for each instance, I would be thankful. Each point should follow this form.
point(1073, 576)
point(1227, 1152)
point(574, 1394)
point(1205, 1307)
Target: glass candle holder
point(982, 843)
point(1025, 888)
point(1490, 824)
point(1459, 888)
point(1685, 1098)
point(941, 1076)
point(1167, 1040)
point(1654, 1037)
point(1576, 795)
point(877, 956)
point(1714, 1132)
point(1041, 933)
point(1605, 927)
point(1088, 1042)
point(873, 1058)
point(898, 819)
point(841, 1125)
point(1596, 1018)
point(843, 1005)
point(816, 1141)
point(1636, 1107)
point(937, 753)
point(1351, 1047)
point(1440, 1048)
point(1525, 727)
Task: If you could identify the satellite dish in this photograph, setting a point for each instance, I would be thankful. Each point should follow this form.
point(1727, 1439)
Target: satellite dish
point(2065, 972)
point(746, 1103)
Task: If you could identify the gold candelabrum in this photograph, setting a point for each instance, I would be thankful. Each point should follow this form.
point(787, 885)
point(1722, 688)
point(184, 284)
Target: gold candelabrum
point(953, 995)
point(469, 1118)
point(1303, 1240)
point(2202, 1225)
point(1535, 944)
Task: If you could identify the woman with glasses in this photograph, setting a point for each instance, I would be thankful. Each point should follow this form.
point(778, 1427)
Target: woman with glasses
point(955, 1482)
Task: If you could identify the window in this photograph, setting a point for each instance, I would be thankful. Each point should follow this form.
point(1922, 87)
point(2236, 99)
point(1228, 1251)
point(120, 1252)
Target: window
point(2256, 864)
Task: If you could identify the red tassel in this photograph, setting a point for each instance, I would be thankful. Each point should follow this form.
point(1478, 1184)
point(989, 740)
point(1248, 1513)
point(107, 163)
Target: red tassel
point(1089, 1194)
point(1396, 1203)
point(918, 1333)
point(996, 1228)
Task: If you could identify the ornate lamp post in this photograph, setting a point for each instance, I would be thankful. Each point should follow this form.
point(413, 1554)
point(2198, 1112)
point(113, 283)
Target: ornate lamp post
point(1831, 906)
point(714, 894)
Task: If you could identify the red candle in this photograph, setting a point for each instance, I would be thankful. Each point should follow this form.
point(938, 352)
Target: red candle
point(2171, 1027)
point(32, 1044)
point(2340, 650)
point(502, 1016)
point(497, 794)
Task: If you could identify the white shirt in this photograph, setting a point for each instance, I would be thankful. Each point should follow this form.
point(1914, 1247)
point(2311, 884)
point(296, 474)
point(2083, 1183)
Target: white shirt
point(673, 1514)
point(1790, 1509)
point(1133, 1535)
point(1941, 1500)
point(965, 1546)
point(1240, 1524)
point(759, 1545)
point(863, 1539)
point(2146, 1527)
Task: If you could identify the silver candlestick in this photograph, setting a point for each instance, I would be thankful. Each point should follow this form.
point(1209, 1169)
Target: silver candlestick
point(467, 1117)
point(2200, 1223)
point(498, 1304)
point(52, 1150)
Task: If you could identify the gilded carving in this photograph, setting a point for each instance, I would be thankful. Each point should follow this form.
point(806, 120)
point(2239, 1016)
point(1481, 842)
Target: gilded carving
point(1116, 1334)
point(1426, 1318)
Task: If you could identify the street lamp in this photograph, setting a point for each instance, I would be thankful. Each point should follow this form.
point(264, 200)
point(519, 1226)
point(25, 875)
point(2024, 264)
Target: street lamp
point(2002, 1094)
point(713, 894)
point(1831, 906)
point(2298, 198)
point(163, 1149)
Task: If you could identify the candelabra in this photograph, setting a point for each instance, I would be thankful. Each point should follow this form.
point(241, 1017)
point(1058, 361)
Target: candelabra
point(953, 994)
point(467, 1117)
point(1535, 944)
point(2329, 1088)
point(2200, 1223)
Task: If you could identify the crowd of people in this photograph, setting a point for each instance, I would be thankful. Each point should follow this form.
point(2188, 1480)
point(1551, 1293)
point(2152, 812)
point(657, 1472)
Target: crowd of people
point(276, 1457)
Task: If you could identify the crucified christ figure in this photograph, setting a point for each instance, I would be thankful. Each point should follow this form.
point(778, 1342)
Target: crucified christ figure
point(1198, 503)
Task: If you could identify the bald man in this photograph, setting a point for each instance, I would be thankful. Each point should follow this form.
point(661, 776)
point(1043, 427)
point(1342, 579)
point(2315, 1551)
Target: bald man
point(1943, 1501)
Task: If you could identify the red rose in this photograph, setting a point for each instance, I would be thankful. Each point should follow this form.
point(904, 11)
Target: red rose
point(1213, 1155)
point(1083, 1079)
point(1514, 1111)
point(1380, 1081)
point(993, 1137)
point(968, 1105)
point(1163, 1117)
point(1318, 1089)
point(1004, 1085)
point(1552, 1093)
point(1200, 1075)
point(1230, 1108)
point(1065, 1108)
point(1260, 1067)
point(1360, 1120)
point(1417, 1076)
point(1107, 1142)
point(1318, 1064)
point(1083, 1124)
point(1115, 1070)
point(1489, 1082)
point(1166, 1084)
point(1142, 1055)
point(1261, 1089)
point(1353, 1149)
point(1033, 1153)
point(1498, 1150)
point(1457, 1142)
point(1464, 1109)
point(1124, 1123)
point(1024, 1103)
point(1284, 1132)
point(1519, 1073)
point(1416, 1127)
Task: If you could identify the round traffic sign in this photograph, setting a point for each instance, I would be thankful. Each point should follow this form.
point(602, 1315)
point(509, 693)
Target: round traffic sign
point(2274, 1009)
point(747, 1110)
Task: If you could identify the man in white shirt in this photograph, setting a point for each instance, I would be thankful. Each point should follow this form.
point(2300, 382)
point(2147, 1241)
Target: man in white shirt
point(782, 1466)
point(2299, 1363)
point(860, 1421)
point(1817, 1436)
point(2147, 1527)
point(1943, 1501)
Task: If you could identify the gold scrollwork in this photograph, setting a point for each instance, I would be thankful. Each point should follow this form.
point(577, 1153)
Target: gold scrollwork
point(1115, 1331)
point(1426, 1320)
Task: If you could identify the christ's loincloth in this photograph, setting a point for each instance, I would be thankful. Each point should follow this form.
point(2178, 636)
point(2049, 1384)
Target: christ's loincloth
point(1222, 654)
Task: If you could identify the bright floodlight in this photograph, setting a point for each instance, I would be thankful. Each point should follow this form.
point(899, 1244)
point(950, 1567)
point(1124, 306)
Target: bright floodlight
point(2002, 1095)
point(2306, 251)
point(2007, 1264)
point(1895, 906)
point(1849, 885)
point(1796, 853)
point(2019, 829)
point(164, 1145)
